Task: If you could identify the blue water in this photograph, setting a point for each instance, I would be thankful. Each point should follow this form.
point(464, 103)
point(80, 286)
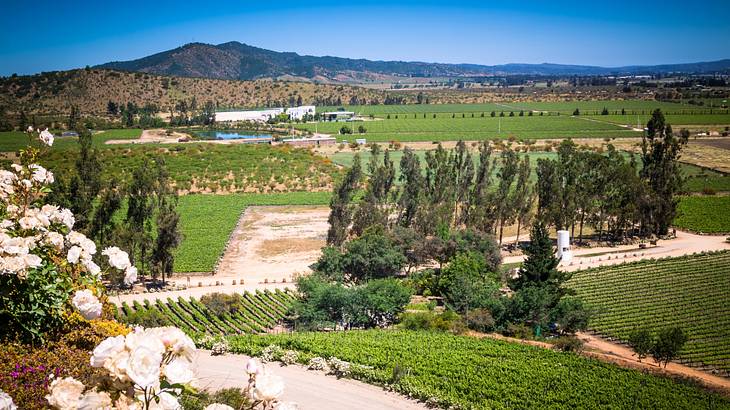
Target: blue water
point(230, 135)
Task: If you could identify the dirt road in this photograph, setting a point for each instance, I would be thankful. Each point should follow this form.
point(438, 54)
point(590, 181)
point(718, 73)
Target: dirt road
point(311, 390)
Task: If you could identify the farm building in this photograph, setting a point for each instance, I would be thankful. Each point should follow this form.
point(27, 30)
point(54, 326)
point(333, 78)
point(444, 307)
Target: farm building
point(338, 115)
point(298, 113)
point(314, 141)
point(253, 115)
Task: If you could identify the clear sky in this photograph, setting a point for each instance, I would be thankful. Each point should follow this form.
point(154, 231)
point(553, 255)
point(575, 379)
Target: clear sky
point(46, 35)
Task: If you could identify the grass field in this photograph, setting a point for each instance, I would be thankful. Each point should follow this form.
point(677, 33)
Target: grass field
point(675, 120)
point(14, 140)
point(563, 107)
point(706, 214)
point(691, 292)
point(206, 222)
point(464, 372)
point(463, 126)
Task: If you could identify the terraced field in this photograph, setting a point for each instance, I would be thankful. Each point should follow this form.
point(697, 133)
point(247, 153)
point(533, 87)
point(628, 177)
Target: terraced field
point(260, 311)
point(691, 292)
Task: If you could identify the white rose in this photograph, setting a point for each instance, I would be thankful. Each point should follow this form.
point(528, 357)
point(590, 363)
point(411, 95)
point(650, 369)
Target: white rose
point(144, 367)
point(117, 365)
point(253, 366)
point(218, 406)
point(40, 174)
point(178, 372)
point(94, 400)
point(6, 402)
point(87, 304)
point(130, 275)
point(67, 218)
point(54, 239)
point(30, 128)
point(126, 403)
point(148, 338)
point(117, 257)
point(65, 393)
point(108, 348)
point(92, 267)
point(175, 340)
point(73, 254)
point(167, 402)
point(268, 387)
point(46, 137)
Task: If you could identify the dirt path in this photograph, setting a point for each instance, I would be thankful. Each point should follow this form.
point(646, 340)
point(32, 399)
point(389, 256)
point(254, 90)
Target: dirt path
point(311, 390)
point(686, 243)
point(623, 356)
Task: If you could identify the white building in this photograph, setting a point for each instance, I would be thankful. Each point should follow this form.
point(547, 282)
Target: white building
point(253, 115)
point(297, 113)
point(564, 253)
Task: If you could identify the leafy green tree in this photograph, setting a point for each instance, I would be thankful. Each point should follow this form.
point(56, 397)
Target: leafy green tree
point(140, 212)
point(374, 208)
point(371, 256)
point(411, 178)
point(466, 284)
point(540, 266)
point(570, 314)
point(506, 177)
point(340, 208)
point(168, 237)
point(522, 196)
point(660, 153)
point(669, 342)
point(641, 342)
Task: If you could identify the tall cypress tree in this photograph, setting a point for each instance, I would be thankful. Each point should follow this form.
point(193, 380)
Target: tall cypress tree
point(540, 268)
point(340, 210)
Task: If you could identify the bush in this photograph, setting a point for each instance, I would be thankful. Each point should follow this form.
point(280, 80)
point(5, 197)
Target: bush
point(519, 331)
point(480, 320)
point(221, 303)
point(568, 344)
point(447, 321)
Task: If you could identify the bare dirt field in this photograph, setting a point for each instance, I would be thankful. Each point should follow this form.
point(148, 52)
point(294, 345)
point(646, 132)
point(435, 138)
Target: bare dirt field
point(273, 243)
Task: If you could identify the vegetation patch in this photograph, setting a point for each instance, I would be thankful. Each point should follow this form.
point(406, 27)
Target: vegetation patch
point(447, 370)
point(706, 214)
point(688, 292)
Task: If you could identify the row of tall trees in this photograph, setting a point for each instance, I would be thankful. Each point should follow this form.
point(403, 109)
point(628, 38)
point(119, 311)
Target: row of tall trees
point(616, 195)
point(450, 190)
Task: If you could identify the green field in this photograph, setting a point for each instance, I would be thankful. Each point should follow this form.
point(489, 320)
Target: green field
point(206, 222)
point(691, 292)
point(465, 127)
point(259, 312)
point(675, 120)
point(14, 140)
point(563, 107)
point(469, 373)
point(706, 214)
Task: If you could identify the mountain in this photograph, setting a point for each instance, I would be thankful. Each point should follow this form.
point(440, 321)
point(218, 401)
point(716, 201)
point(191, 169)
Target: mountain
point(238, 61)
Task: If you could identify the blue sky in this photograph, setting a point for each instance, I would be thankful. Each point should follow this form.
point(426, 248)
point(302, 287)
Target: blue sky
point(57, 35)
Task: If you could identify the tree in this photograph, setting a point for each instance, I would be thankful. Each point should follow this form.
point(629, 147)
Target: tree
point(576, 112)
point(641, 342)
point(540, 266)
point(371, 256)
point(668, 344)
point(140, 211)
point(85, 183)
point(73, 118)
point(522, 196)
point(168, 237)
point(340, 212)
point(570, 315)
point(411, 179)
point(466, 284)
point(661, 171)
point(506, 177)
point(112, 108)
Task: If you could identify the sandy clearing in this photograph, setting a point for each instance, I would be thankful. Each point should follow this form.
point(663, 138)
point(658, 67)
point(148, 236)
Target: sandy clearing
point(686, 243)
point(311, 390)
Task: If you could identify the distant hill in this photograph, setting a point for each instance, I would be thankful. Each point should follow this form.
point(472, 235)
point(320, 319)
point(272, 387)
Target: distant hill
point(238, 61)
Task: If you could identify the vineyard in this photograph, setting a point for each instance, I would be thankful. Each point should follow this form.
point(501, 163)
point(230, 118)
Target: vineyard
point(691, 292)
point(464, 372)
point(11, 141)
point(706, 214)
point(257, 313)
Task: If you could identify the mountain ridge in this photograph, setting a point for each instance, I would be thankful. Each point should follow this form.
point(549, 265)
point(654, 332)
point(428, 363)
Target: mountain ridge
point(239, 61)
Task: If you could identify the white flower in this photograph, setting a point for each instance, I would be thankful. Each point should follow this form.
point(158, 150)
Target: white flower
point(54, 239)
point(148, 338)
point(218, 406)
point(73, 254)
point(117, 257)
point(268, 387)
point(87, 304)
point(94, 400)
point(253, 366)
point(117, 365)
point(130, 275)
point(91, 267)
point(65, 393)
point(178, 372)
point(166, 402)
point(6, 402)
point(46, 137)
point(30, 128)
point(175, 341)
point(144, 366)
point(67, 218)
point(41, 175)
point(108, 348)
point(32, 261)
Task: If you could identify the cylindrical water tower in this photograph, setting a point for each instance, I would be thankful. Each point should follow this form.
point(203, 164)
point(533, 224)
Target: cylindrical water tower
point(564, 252)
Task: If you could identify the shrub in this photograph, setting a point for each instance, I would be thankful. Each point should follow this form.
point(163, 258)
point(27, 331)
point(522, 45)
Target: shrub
point(221, 303)
point(519, 331)
point(289, 357)
point(568, 344)
point(480, 320)
point(339, 368)
point(318, 363)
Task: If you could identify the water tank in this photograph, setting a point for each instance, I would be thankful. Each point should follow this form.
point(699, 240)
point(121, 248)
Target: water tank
point(564, 252)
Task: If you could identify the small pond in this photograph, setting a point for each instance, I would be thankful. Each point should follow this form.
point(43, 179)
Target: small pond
point(233, 135)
